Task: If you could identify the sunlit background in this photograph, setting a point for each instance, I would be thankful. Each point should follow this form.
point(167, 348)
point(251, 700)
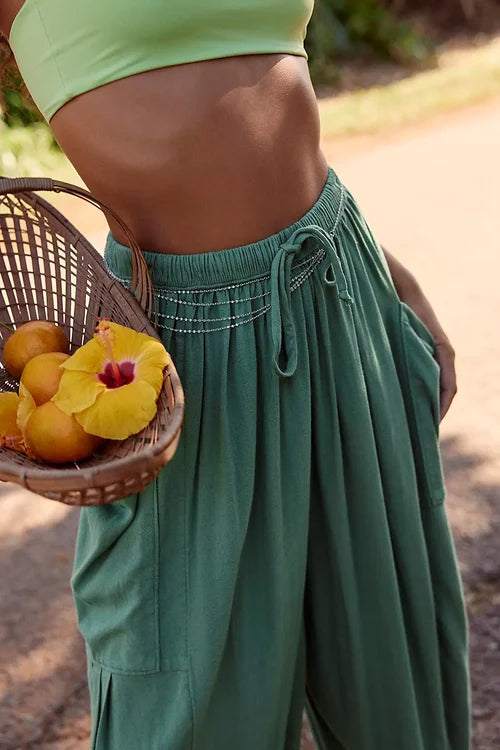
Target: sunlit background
point(410, 113)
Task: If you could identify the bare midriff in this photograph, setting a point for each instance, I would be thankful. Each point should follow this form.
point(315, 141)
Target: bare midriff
point(201, 156)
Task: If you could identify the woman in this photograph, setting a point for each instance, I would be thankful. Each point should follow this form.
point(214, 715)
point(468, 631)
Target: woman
point(296, 548)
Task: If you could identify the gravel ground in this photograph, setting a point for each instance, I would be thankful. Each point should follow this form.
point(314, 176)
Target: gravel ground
point(431, 194)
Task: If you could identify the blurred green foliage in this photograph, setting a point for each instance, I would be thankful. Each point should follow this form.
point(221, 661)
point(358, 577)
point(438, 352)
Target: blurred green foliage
point(28, 150)
point(17, 110)
point(349, 28)
point(16, 106)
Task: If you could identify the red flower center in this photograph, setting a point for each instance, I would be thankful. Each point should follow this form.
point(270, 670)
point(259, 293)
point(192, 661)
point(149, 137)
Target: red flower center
point(115, 375)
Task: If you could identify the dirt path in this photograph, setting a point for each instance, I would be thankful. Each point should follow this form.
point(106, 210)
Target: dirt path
point(432, 196)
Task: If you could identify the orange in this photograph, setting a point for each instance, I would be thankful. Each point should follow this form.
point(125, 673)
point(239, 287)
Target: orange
point(10, 434)
point(56, 437)
point(30, 339)
point(41, 375)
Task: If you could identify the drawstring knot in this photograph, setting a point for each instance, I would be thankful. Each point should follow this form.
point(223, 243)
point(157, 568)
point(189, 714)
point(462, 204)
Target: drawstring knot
point(282, 325)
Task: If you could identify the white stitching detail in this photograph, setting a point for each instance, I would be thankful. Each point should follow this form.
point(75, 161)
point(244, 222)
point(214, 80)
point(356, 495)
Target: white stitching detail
point(220, 328)
point(210, 320)
point(249, 316)
point(314, 259)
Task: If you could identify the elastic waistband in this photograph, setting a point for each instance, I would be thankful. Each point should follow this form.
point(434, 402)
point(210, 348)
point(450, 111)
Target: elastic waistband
point(217, 267)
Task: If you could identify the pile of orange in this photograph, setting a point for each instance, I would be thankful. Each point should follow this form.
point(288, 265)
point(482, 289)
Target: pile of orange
point(29, 421)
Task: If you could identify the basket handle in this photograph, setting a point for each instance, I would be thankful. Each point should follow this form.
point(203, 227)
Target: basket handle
point(142, 286)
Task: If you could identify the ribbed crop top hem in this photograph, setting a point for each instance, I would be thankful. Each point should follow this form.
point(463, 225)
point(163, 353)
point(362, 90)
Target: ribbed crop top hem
point(62, 52)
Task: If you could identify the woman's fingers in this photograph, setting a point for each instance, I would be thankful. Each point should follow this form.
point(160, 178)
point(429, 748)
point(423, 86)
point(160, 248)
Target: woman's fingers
point(445, 355)
point(410, 292)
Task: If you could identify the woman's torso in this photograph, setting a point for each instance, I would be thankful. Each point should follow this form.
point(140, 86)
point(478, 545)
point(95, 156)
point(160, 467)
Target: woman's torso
point(199, 156)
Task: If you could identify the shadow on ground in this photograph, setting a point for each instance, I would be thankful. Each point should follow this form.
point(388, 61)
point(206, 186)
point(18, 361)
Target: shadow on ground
point(41, 652)
point(474, 513)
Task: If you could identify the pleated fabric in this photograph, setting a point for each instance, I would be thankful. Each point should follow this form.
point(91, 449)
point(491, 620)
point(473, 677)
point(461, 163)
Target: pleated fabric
point(296, 549)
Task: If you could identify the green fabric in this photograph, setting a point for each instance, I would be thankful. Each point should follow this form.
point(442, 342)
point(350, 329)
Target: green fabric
point(296, 548)
point(65, 48)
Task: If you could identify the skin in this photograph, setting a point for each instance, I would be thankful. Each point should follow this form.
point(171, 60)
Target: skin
point(221, 153)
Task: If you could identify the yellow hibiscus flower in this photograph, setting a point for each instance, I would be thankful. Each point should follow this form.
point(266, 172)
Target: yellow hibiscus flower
point(112, 382)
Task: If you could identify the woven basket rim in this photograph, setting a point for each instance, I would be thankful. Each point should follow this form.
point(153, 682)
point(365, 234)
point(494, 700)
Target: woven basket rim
point(69, 480)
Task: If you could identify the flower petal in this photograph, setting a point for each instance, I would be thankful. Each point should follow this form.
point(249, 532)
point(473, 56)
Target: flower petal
point(120, 412)
point(150, 368)
point(137, 347)
point(87, 358)
point(77, 391)
point(26, 407)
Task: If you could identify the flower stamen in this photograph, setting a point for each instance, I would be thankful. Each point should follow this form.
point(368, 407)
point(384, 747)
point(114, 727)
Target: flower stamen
point(108, 377)
point(106, 338)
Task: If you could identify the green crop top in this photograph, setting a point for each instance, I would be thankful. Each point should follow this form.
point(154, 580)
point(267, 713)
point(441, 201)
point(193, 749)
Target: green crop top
point(66, 47)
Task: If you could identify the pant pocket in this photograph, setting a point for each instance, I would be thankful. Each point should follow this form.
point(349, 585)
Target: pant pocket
point(421, 390)
point(115, 583)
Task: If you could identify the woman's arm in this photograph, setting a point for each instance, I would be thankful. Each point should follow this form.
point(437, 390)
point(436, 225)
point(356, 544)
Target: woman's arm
point(410, 292)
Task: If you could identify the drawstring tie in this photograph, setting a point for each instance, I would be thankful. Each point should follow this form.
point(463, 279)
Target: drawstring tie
point(282, 325)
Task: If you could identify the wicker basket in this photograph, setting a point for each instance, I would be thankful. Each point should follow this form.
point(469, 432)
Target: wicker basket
point(50, 271)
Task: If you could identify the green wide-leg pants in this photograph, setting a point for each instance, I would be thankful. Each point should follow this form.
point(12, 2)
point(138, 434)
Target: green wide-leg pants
point(296, 550)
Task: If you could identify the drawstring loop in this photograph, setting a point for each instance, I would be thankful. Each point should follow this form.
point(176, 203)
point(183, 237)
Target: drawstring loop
point(282, 325)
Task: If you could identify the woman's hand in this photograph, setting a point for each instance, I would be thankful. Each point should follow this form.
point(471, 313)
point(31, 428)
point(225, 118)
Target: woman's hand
point(410, 292)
